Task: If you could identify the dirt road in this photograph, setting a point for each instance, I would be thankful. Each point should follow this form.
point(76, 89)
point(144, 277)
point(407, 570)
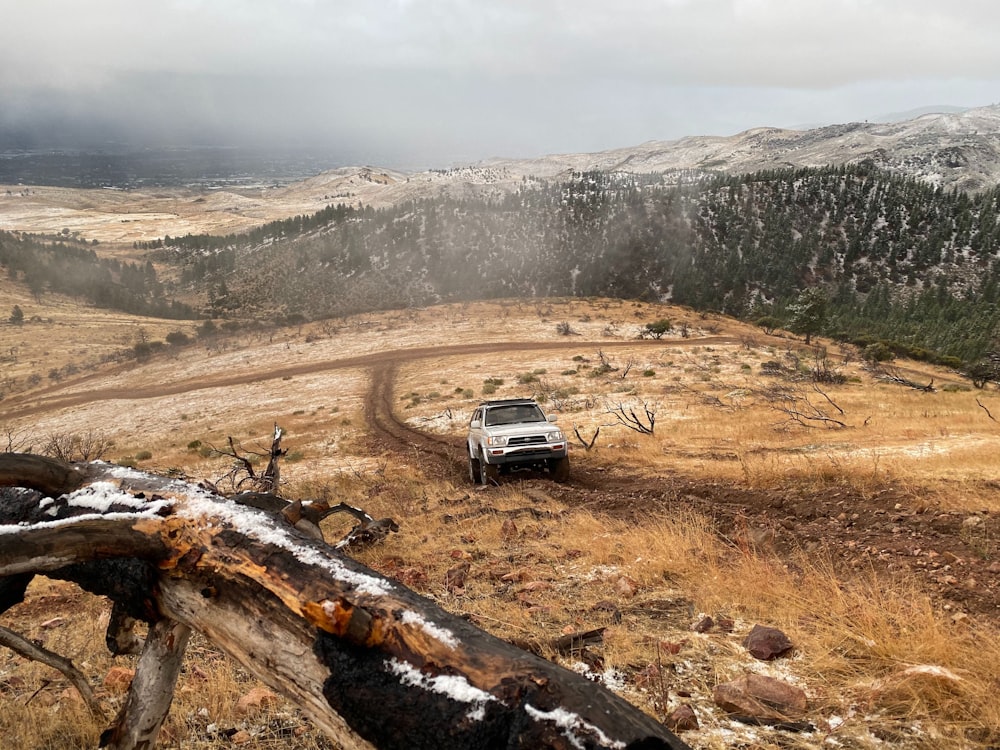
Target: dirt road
point(889, 530)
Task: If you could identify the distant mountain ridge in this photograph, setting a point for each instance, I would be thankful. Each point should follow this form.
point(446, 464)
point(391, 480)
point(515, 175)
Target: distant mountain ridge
point(960, 149)
point(944, 149)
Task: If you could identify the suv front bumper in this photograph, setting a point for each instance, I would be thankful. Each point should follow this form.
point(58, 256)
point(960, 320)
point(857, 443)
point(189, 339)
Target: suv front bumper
point(525, 455)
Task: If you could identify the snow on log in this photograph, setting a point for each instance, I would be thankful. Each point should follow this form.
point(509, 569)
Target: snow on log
point(372, 663)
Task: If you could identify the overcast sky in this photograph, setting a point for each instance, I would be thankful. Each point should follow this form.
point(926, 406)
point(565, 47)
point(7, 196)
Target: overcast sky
point(435, 83)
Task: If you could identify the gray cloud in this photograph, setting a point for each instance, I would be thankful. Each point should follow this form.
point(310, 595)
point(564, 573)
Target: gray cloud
point(436, 82)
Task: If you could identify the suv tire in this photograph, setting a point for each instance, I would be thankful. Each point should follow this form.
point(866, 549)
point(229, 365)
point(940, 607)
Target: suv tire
point(488, 473)
point(559, 468)
point(474, 470)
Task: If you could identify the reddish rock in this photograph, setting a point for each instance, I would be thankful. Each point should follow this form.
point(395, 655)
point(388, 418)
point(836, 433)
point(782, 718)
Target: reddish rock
point(454, 578)
point(508, 531)
point(767, 643)
point(627, 587)
point(118, 679)
point(682, 719)
point(704, 625)
point(761, 697)
point(256, 700)
point(672, 647)
point(241, 737)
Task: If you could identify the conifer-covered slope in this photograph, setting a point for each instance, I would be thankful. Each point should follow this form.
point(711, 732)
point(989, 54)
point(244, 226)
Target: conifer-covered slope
point(897, 258)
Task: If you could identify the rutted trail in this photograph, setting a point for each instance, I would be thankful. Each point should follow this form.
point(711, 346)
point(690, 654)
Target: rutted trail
point(53, 399)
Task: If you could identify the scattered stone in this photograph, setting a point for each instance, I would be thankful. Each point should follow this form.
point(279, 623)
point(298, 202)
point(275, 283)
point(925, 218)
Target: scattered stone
point(682, 719)
point(972, 522)
point(241, 737)
point(55, 622)
point(761, 697)
point(767, 643)
point(672, 647)
point(257, 699)
point(118, 679)
point(703, 625)
point(508, 530)
point(627, 587)
point(454, 578)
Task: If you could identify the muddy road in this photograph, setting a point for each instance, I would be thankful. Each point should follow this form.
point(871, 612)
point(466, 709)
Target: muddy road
point(952, 554)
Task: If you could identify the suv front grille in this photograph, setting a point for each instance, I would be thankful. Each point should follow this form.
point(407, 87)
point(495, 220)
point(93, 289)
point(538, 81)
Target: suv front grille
point(526, 440)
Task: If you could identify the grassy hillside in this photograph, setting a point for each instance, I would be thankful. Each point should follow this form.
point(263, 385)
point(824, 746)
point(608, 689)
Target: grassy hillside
point(835, 508)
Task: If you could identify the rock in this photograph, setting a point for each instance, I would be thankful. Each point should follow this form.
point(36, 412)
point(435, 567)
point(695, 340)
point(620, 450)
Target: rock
point(682, 719)
point(454, 578)
point(703, 625)
point(256, 700)
point(508, 531)
point(627, 587)
point(241, 737)
point(761, 697)
point(726, 624)
point(118, 679)
point(767, 643)
point(972, 522)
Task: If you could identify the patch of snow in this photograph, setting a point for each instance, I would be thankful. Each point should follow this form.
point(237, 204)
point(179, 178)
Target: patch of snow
point(203, 506)
point(101, 496)
point(455, 687)
point(444, 635)
point(571, 724)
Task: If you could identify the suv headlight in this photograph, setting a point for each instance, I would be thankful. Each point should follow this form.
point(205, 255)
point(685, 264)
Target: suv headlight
point(555, 437)
point(496, 440)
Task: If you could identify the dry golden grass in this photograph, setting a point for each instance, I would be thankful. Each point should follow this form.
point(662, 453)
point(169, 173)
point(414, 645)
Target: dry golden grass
point(882, 661)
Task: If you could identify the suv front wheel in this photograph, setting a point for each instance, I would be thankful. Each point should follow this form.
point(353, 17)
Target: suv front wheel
point(559, 468)
point(488, 473)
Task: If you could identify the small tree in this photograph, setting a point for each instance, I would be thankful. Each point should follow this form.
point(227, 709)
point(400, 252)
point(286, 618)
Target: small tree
point(657, 329)
point(16, 315)
point(178, 338)
point(808, 312)
point(982, 372)
point(768, 323)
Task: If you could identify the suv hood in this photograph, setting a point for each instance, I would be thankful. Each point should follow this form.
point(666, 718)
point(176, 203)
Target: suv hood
point(531, 428)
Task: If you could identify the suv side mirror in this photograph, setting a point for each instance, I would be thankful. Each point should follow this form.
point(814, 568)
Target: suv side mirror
point(552, 417)
point(475, 424)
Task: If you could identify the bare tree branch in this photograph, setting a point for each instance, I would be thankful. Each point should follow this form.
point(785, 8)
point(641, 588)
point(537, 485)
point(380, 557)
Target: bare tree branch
point(29, 650)
point(628, 417)
point(586, 444)
point(981, 406)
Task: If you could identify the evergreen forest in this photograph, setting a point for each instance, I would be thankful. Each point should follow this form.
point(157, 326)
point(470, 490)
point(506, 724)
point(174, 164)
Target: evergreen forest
point(878, 259)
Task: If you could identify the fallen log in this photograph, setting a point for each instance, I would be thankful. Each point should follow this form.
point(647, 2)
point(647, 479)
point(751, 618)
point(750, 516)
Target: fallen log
point(373, 664)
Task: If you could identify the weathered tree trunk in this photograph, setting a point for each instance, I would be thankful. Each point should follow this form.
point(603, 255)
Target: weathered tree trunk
point(371, 662)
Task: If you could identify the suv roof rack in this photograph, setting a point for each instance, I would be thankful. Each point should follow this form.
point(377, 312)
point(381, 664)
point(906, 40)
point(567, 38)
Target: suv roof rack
point(508, 402)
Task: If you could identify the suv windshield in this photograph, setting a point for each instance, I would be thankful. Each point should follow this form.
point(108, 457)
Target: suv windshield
point(513, 414)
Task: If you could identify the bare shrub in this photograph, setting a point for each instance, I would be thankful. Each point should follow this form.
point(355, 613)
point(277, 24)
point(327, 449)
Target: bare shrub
point(88, 446)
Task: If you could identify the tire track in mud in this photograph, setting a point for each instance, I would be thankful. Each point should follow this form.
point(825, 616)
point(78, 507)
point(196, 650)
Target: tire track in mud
point(391, 433)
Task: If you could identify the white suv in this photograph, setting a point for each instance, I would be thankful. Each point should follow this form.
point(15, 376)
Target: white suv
point(514, 434)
